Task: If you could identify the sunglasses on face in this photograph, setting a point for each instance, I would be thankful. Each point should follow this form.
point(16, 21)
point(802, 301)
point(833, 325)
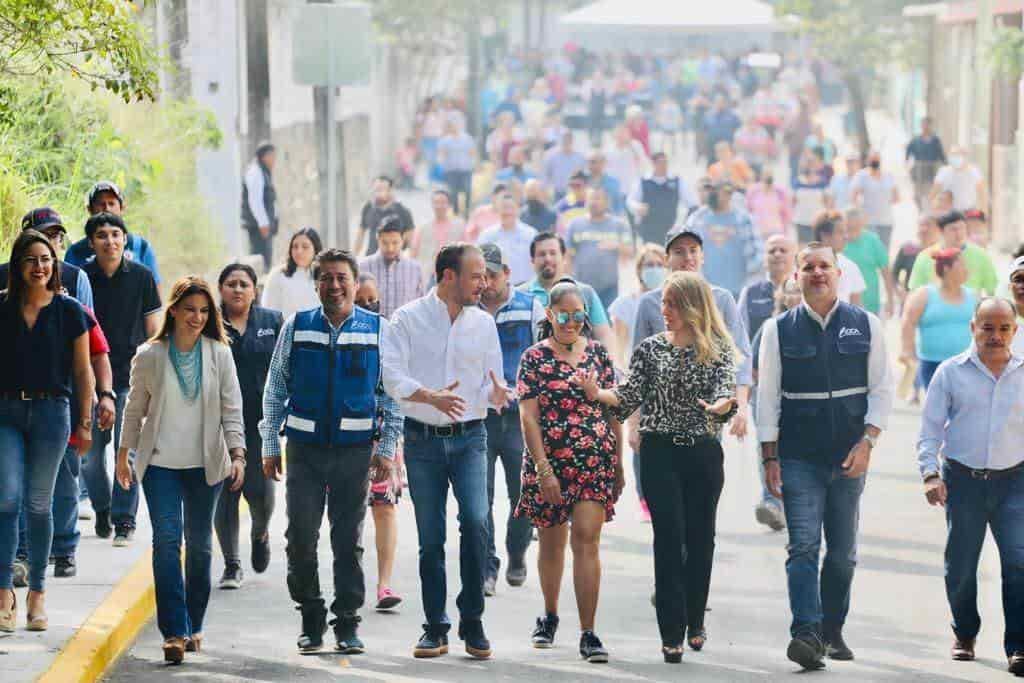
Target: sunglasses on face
point(562, 318)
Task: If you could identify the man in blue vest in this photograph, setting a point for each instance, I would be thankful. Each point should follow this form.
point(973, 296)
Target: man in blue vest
point(324, 387)
point(516, 315)
point(824, 396)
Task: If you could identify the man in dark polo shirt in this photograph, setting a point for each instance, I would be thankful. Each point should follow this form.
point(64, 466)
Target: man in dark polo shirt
point(381, 206)
point(127, 308)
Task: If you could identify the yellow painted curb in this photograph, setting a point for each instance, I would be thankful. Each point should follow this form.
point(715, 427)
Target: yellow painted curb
point(109, 630)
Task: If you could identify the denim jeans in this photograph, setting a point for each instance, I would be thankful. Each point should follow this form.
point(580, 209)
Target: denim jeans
point(432, 463)
point(460, 182)
point(65, 510)
point(505, 441)
point(106, 494)
point(336, 477)
point(818, 497)
point(972, 506)
point(181, 502)
point(33, 437)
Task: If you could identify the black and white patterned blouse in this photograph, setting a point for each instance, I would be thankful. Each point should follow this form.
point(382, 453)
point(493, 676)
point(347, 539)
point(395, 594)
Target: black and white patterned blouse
point(665, 382)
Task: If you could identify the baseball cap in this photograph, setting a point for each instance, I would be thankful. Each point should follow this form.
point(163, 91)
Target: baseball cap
point(1018, 264)
point(104, 186)
point(681, 231)
point(493, 258)
point(41, 219)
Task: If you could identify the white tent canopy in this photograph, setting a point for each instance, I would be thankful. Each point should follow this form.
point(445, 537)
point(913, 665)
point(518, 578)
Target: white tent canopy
point(679, 16)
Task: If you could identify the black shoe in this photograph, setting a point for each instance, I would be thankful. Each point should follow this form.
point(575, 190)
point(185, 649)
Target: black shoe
point(1016, 663)
point(433, 643)
point(807, 650)
point(64, 567)
point(477, 644)
point(836, 648)
point(591, 648)
point(103, 527)
point(544, 634)
point(20, 568)
point(490, 586)
point(346, 640)
point(232, 578)
point(314, 626)
point(260, 554)
point(516, 572)
point(123, 535)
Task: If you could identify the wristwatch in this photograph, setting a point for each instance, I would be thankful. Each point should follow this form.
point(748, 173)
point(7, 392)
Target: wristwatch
point(872, 440)
point(107, 394)
point(928, 476)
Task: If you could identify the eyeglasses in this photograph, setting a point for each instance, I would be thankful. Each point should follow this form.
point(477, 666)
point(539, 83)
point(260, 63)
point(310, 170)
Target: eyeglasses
point(562, 318)
point(37, 260)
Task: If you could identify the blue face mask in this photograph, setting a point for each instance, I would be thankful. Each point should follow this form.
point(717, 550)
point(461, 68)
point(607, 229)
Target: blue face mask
point(653, 276)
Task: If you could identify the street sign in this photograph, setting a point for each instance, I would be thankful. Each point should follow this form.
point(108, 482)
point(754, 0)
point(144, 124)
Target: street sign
point(332, 44)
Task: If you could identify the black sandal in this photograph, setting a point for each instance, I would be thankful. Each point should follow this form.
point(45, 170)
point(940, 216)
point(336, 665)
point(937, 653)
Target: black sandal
point(697, 639)
point(673, 654)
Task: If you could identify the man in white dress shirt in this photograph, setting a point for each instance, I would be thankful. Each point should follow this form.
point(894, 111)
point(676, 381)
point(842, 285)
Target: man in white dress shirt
point(443, 364)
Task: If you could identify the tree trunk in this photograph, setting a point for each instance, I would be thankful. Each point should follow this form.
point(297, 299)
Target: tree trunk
point(858, 105)
point(473, 77)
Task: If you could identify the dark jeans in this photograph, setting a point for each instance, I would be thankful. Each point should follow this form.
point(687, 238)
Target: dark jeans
point(926, 370)
point(335, 477)
point(262, 246)
point(33, 437)
point(259, 494)
point(505, 441)
point(65, 510)
point(972, 506)
point(432, 463)
point(682, 485)
point(105, 493)
point(817, 496)
point(460, 182)
point(180, 502)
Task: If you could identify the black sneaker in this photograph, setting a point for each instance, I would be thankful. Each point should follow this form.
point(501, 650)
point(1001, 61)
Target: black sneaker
point(836, 648)
point(490, 586)
point(516, 572)
point(807, 650)
point(64, 567)
point(543, 636)
point(346, 640)
point(20, 568)
point(260, 554)
point(123, 536)
point(314, 626)
point(477, 644)
point(232, 578)
point(433, 643)
point(591, 648)
point(103, 527)
point(1015, 663)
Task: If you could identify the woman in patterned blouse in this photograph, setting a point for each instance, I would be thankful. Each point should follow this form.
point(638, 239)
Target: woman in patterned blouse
point(683, 380)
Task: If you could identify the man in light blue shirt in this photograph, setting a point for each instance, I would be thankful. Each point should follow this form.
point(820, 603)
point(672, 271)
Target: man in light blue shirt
point(973, 415)
point(513, 237)
point(560, 163)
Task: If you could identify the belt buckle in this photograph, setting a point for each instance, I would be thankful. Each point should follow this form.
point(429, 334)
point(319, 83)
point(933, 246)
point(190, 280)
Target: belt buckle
point(980, 474)
point(444, 430)
point(683, 440)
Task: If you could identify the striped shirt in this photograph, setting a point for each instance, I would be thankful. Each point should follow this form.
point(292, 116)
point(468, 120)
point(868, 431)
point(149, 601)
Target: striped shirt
point(398, 282)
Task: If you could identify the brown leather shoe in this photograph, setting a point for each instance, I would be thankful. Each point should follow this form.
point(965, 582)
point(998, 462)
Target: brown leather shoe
point(174, 650)
point(963, 649)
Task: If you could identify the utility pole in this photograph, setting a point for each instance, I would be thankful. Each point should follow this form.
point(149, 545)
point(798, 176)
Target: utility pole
point(257, 74)
point(333, 223)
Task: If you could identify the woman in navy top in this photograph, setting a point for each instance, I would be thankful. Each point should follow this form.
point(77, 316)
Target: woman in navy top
point(45, 342)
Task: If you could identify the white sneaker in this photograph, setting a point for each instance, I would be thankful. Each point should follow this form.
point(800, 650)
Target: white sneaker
point(85, 510)
point(771, 516)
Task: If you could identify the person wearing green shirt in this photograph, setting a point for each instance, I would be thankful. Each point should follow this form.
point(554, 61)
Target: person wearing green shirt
point(865, 248)
point(981, 273)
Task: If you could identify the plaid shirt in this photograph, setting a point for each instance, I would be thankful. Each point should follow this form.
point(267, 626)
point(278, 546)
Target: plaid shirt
point(276, 393)
point(398, 282)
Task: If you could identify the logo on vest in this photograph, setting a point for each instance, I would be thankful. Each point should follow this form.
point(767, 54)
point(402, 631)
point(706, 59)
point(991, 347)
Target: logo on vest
point(360, 325)
point(266, 332)
point(849, 332)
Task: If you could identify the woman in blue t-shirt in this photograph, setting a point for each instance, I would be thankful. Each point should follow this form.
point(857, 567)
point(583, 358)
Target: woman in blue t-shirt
point(44, 345)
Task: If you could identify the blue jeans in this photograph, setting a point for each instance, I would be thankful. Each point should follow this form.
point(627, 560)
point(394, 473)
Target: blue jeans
point(432, 463)
point(926, 370)
point(105, 494)
point(65, 510)
point(33, 437)
point(180, 501)
point(972, 506)
point(505, 442)
point(817, 496)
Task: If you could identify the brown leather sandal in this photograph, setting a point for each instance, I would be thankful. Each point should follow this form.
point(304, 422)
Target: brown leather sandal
point(174, 650)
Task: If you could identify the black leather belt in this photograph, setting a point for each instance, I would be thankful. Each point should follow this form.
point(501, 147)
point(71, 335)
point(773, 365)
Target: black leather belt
point(680, 439)
point(27, 395)
point(444, 431)
point(985, 474)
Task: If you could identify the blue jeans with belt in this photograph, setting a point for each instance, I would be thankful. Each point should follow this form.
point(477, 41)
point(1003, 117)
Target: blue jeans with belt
point(180, 503)
point(433, 463)
point(505, 443)
point(65, 510)
point(105, 494)
point(33, 437)
point(818, 497)
point(972, 506)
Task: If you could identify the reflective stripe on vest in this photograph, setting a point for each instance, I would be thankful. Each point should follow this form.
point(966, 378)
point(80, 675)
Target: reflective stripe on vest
point(351, 424)
point(301, 424)
point(311, 337)
point(514, 316)
point(823, 395)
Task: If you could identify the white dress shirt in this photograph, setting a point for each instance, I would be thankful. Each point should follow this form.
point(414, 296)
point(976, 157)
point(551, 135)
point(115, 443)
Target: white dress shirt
point(851, 281)
point(769, 378)
point(425, 349)
point(254, 185)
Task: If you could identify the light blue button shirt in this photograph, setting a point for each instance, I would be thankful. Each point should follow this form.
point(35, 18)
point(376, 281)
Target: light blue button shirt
point(973, 417)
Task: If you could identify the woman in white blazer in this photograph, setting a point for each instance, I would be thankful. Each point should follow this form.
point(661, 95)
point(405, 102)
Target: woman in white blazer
point(183, 420)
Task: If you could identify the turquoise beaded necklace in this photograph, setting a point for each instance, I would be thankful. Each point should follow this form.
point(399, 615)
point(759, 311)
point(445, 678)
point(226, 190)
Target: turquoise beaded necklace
point(188, 367)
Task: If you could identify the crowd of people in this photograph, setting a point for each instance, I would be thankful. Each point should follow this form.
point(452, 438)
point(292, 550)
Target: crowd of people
point(758, 307)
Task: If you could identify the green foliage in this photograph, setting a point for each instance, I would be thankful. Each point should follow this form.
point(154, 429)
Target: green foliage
point(59, 138)
point(1006, 52)
point(98, 41)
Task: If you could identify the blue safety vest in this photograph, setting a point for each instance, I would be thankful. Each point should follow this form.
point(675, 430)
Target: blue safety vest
point(824, 383)
point(514, 321)
point(332, 392)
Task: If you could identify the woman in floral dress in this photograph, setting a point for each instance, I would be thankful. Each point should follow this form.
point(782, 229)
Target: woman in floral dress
point(574, 473)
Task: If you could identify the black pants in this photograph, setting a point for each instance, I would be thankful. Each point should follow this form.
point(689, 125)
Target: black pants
point(259, 494)
point(337, 476)
point(261, 245)
point(682, 485)
point(505, 443)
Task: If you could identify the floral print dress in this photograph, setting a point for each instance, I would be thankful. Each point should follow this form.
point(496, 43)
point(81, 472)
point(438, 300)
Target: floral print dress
point(577, 434)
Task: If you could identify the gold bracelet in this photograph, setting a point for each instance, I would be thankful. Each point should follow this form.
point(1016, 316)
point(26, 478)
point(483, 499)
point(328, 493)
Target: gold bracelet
point(545, 470)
